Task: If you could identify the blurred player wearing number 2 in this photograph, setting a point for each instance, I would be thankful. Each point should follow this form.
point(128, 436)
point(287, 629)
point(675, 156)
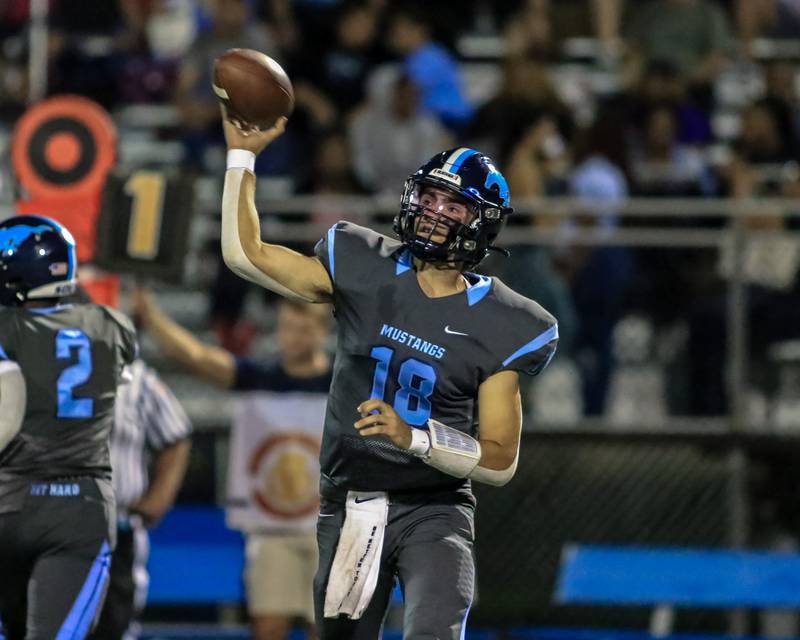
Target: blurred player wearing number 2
point(57, 512)
point(425, 393)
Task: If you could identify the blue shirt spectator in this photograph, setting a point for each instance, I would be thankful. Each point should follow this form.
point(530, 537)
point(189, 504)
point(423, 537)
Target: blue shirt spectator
point(601, 187)
point(431, 67)
point(435, 72)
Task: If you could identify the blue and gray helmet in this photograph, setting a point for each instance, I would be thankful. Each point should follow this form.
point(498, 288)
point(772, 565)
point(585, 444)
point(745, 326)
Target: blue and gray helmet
point(37, 260)
point(473, 178)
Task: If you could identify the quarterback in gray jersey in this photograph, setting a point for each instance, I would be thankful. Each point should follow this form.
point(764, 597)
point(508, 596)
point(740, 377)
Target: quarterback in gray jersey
point(57, 518)
point(427, 357)
point(425, 392)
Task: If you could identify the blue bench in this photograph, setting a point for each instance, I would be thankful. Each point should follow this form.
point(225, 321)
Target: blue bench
point(195, 559)
point(665, 578)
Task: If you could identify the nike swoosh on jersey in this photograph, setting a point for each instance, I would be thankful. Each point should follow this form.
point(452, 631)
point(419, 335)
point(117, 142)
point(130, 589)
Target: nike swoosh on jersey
point(447, 329)
point(359, 501)
point(326, 515)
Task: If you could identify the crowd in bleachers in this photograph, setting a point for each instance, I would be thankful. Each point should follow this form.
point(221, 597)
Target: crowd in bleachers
point(596, 99)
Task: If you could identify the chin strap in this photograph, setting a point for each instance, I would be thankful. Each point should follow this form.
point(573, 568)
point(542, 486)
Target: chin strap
point(464, 266)
point(500, 250)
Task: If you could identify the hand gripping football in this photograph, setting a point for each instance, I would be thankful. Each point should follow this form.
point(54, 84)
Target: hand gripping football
point(253, 87)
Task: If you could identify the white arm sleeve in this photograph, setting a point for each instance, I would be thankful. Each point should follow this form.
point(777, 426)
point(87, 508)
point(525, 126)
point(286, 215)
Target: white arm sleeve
point(13, 400)
point(494, 477)
point(232, 251)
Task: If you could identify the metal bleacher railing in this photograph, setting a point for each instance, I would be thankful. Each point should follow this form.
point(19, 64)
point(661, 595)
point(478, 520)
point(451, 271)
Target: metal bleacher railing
point(645, 223)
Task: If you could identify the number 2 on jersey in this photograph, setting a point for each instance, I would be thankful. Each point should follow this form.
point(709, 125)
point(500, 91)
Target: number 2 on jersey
point(68, 405)
point(416, 379)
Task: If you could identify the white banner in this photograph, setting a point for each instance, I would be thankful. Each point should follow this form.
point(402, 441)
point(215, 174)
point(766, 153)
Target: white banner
point(273, 466)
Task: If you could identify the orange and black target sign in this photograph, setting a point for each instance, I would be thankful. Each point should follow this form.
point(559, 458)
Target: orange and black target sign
point(63, 148)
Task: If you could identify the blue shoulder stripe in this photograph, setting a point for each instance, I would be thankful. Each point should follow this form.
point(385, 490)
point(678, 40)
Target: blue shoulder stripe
point(478, 291)
point(404, 262)
point(3, 354)
point(331, 238)
point(537, 343)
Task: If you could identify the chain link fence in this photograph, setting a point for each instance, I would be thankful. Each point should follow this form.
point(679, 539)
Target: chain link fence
point(573, 491)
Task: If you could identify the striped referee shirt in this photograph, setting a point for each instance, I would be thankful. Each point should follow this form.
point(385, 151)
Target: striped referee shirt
point(147, 418)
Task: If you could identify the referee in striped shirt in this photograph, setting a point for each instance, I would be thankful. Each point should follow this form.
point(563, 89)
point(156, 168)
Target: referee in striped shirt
point(149, 453)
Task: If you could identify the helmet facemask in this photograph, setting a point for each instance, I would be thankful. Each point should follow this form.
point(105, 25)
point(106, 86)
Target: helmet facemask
point(439, 237)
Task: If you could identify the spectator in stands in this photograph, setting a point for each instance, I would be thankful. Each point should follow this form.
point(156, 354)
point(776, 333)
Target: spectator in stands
point(298, 22)
point(232, 26)
point(430, 66)
point(281, 551)
point(332, 166)
point(529, 30)
point(662, 85)
point(662, 166)
point(607, 17)
point(525, 93)
point(533, 21)
point(14, 17)
point(333, 174)
point(599, 277)
point(90, 45)
point(391, 136)
point(693, 35)
point(770, 270)
point(779, 19)
point(782, 99)
point(536, 168)
point(340, 70)
point(762, 140)
point(543, 23)
point(166, 31)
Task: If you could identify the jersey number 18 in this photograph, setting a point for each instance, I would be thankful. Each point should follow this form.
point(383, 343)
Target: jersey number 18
point(416, 379)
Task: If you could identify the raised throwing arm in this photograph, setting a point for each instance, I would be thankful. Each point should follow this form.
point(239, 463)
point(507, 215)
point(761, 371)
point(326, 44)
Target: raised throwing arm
point(274, 267)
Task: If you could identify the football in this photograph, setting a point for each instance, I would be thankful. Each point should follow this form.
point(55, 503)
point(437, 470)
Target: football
point(253, 87)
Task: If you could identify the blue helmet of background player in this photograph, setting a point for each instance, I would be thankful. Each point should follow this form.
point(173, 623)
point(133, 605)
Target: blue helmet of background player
point(472, 178)
point(37, 260)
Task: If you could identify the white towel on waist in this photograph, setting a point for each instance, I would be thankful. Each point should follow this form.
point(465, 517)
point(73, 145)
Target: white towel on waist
point(356, 564)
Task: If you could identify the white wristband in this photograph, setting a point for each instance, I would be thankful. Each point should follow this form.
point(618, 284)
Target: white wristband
point(241, 159)
point(420, 442)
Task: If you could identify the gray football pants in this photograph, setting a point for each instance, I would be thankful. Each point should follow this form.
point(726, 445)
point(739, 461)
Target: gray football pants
point(429, 547)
